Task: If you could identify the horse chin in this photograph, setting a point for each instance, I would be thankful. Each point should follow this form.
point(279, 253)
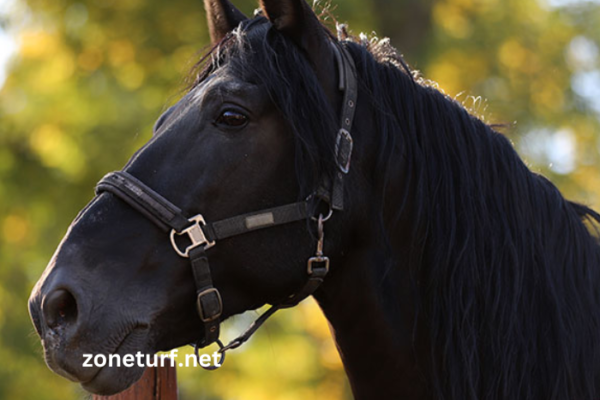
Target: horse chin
point(113, 375)
point(112, 380)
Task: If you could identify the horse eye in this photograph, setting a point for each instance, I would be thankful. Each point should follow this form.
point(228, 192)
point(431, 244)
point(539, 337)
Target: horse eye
point(232, 119)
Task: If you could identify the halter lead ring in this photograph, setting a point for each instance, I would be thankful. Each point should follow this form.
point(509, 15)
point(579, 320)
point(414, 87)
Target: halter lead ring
point(221, 360)
point(203, 235)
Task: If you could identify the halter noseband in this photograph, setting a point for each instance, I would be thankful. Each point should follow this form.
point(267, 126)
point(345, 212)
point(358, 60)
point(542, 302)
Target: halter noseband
point(202, 235)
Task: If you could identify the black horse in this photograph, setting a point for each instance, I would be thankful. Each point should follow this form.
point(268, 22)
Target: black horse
point(455, 272)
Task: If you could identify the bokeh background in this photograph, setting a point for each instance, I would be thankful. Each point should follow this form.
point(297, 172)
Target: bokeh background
point(82, 81)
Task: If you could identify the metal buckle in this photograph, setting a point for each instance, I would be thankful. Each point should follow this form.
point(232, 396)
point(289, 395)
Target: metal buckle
point(317, 260)
point(344, 135)
point(196, 235)
point(201, 309)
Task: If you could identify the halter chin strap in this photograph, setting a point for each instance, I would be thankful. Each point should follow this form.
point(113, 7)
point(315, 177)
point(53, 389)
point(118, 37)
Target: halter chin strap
point(202, 235)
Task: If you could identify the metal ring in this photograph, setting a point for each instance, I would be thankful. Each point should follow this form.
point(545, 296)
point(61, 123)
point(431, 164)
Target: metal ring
point(329, 213)
point(211, 367)
point(324, 219)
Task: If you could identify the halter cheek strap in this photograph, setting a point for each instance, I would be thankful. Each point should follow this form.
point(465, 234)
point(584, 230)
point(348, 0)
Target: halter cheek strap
point(343, 142)
point(191, 237)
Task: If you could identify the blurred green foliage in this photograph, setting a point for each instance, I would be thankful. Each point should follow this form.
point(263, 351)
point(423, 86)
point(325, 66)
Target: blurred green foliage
point(89, 78)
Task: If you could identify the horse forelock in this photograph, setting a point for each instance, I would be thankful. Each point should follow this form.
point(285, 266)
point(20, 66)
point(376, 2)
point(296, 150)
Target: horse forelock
point(256, 52)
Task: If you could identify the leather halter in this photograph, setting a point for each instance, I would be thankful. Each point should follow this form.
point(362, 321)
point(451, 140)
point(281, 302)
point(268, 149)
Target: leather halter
point(203, 235)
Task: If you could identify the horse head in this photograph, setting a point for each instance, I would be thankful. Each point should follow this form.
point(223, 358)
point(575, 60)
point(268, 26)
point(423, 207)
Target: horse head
point(256, 131)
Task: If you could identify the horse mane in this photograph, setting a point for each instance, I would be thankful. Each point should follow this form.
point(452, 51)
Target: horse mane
point(509, 269)
point(506, 268)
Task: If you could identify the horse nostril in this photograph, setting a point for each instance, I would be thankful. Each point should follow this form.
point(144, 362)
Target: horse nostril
point(59, 308)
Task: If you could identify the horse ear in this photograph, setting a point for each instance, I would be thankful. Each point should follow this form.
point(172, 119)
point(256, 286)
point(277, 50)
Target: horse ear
point(222, 18)
point(297, 20)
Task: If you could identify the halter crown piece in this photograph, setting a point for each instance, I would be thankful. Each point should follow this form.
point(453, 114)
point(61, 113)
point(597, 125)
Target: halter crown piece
point(202, 235)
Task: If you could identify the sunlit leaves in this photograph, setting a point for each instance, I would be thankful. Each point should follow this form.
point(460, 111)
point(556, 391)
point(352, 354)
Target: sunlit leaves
point(90, 77)
point(535, 64)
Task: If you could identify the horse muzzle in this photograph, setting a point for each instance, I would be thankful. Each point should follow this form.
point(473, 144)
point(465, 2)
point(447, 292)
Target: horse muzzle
point(63, 319)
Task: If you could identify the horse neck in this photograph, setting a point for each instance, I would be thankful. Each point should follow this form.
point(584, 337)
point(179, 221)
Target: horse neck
point(370, 303)
point(371, 314)
point(448, 159)
point(369, 297)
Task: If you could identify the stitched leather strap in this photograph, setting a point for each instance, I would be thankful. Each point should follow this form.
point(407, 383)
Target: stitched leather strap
point(155, 207)
point(208, 299)
point(168, 216)
point(333, 192)
point(257, 220)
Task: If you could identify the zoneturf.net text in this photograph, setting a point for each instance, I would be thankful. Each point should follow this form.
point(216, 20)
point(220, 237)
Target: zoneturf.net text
point(148, 360)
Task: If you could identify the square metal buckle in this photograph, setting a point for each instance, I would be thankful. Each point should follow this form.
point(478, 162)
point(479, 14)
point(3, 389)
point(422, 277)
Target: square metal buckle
point(317, 262)
point(207, 292)
point(195, 234)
